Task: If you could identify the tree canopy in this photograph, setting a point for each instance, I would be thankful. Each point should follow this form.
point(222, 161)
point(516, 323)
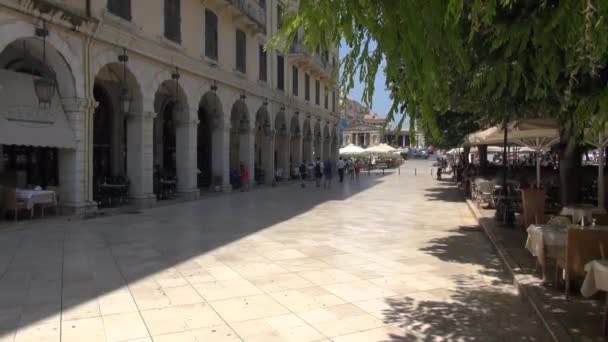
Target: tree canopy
point(493, 59)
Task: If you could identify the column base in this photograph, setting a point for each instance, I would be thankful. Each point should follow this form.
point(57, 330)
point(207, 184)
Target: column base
point(143, 201)
point(220, 188)
point(189, 194)
point(79, 209)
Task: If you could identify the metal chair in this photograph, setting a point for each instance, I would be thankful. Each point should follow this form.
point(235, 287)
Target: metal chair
point(11, 202)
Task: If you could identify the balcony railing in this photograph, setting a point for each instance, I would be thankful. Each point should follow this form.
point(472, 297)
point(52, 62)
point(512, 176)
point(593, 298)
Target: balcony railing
point(253, 10)
point(306, 56)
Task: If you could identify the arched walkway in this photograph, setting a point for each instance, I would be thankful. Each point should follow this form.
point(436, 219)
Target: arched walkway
point(210, 122)
point(307, 141)
point(326, 143)
point(296, 142)
point(39, 162)
point(171, 109)
point(263, 159)
point(318, 148)
point(241, 143)
point(282, 147)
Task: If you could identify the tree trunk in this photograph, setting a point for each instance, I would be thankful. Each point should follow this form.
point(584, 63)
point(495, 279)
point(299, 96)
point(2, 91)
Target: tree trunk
point(569, 165)
point(483, 158)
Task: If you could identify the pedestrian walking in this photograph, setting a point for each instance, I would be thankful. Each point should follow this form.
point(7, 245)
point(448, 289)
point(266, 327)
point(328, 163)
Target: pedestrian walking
point(318, 170)
point(303, 173)
point(327, 174)
point(358, 166)
point(341, 165)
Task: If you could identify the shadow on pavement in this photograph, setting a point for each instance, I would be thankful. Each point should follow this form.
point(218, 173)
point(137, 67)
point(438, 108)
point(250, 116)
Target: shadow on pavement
point(48, 270)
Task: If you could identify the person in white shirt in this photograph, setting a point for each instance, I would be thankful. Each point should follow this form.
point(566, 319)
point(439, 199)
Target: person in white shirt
point(341, 165)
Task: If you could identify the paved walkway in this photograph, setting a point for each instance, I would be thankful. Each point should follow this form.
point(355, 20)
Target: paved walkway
point(391, 258)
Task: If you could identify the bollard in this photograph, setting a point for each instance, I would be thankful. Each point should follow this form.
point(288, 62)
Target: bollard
point(383, 171)
point(415, 172)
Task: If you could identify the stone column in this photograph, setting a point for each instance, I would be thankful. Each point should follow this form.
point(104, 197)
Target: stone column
point(365, 142)
point(75, 182)
point(220, 156)
point(186, 136)
point(140, 152)
point(296, 150)
point(247, 152)
point(268, 161)
point(284, 153)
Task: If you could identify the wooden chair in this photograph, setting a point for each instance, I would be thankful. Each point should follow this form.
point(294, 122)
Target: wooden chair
point(11, 202)
point(533, 203)
point(582, 246)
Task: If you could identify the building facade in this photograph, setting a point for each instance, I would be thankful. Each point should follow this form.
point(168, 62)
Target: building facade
point(186, 86)
point(366, 128)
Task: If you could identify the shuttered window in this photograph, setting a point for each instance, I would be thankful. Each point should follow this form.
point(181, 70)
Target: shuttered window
point(326, 98)
point(279, 16)
point(317, 92)
point(280, 73)
point(306, 87)
point(121, 8)
point(241, 51)
point(294, 80)
point(263, 64)
point(333, 101)
point(211, 35)
point(173, 20)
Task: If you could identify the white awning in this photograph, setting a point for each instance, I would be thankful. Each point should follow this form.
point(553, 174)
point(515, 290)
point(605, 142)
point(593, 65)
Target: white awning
point(351, 149)
point(23, 122)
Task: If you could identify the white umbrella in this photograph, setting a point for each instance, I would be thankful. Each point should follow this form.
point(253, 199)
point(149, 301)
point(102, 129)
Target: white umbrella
point(537, 134)
point(382, 148)
point(351, 149)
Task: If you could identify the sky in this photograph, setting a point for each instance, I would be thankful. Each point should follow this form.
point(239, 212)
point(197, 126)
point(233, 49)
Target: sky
point(381, 102)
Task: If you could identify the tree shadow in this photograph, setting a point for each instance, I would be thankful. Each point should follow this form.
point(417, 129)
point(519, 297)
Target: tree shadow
point(57, 269)
point(464, 315)
point(445, 194)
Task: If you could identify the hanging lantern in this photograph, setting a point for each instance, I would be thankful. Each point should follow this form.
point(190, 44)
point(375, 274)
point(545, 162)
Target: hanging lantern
point(45, 85)
point(125, 97)
point(177, 106)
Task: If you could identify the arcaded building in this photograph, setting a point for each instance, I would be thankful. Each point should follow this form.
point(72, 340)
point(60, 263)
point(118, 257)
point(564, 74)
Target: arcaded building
point(99, 89)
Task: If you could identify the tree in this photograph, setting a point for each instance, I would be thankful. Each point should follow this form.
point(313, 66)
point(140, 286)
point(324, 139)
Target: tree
point(498, 60)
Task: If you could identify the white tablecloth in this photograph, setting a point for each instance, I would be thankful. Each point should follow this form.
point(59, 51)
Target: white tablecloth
point(546, 240)
point(577, 212)
point(32, 197)
point(596, 278)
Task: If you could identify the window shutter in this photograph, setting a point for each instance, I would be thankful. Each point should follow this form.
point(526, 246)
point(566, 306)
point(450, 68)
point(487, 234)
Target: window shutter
point(263, 64)
point(326, 98)
point(173, 20)
point(306, 87)
point(121, 8)
point(211, 46)
point(317, 92)
point(280, 72)
point(241, 57)
point(294, 78)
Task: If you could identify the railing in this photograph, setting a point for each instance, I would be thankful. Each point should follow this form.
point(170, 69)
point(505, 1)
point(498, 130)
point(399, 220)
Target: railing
point(253, 10)
point(298, 48)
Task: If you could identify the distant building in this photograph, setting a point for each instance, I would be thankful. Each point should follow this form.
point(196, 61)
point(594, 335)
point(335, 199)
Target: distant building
point(366, 128)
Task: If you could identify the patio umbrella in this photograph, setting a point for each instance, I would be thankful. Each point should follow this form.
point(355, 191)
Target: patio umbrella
point(599, 140)
point(382, 148)
point(351, 149)
point(536, 134)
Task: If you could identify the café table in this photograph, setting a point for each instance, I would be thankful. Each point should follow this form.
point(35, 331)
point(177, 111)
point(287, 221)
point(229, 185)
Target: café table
point(33, 197)
point(578, 211)
point(596, 280)
point(546, 241)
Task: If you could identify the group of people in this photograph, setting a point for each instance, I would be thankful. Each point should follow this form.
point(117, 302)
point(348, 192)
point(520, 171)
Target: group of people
point(323, 171)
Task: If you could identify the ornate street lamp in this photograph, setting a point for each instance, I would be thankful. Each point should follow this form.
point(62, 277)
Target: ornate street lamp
point(46, 84)
point(125, 96)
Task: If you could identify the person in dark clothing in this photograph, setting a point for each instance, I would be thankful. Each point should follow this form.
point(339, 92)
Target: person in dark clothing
point(302, 170)
point(327, 174)
point(318, 169)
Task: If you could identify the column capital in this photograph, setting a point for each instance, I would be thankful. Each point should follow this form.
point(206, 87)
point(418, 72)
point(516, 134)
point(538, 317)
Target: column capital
point(190, 122)
point(146, 115)
point(78, 104)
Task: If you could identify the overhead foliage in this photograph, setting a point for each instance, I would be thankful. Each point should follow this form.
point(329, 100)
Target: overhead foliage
point(495, 59)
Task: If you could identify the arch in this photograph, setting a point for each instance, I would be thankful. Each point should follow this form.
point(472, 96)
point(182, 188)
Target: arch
point(282, 149)
point(210, 140)
point(317, 138)
point(240, 129)
point(61, 57)
point(307, 140)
